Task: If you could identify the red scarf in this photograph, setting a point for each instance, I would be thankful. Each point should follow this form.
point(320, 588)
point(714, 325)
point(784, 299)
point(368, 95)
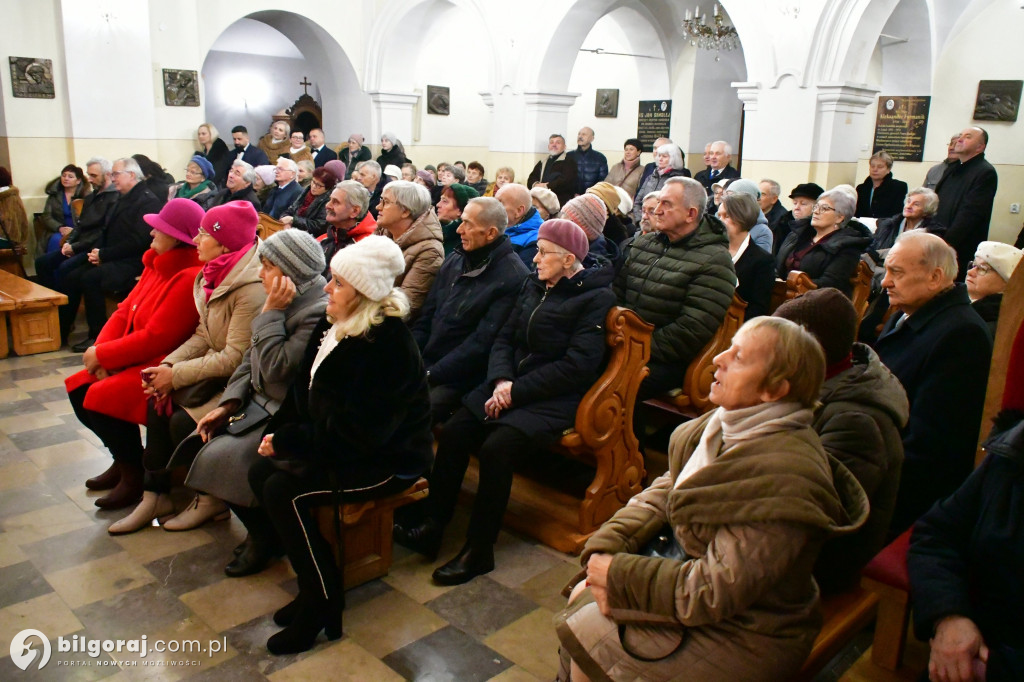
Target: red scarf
point(216, 270)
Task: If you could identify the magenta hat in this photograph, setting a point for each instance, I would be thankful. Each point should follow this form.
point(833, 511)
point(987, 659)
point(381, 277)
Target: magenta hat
point(179, 218)
point(566, 234)
point(233, 224)
point(337, 167)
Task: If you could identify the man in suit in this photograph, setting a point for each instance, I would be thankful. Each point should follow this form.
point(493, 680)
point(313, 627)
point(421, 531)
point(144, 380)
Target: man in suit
point(287, 190)
point(321, 152)
point(719, 168)
point(254, 156)
point(557, 172)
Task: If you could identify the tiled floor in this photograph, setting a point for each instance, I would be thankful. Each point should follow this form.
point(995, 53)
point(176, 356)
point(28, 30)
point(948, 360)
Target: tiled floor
point(62, 574)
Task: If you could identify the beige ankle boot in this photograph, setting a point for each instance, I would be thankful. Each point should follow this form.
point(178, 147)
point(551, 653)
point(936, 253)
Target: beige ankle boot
point(152, 506)
point(203, 508)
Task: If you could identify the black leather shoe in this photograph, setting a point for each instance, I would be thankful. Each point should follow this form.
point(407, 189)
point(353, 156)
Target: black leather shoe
point(311, 617)
point(83, 346)
point(253, 559)
point(468, 564)
point(424, 538)
point(241, 546)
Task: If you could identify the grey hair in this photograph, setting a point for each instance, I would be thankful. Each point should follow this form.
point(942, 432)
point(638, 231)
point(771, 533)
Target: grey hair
point(882, 156)
point(412, 197)
point(356, 195)
point(844, 204)
point(289, 164)
point(130, 165)
point(743, 209)
point(105, 165)
point(693, 192)
point(931, 200)
point(248, 172)
point(935, 252)
point(460, 175)
point(850, 191)
point(656, 194)
point(307, 164)
point(774, 188)
point(675, 155)
point(492, 213)
point(287, 127)
point(726, 147)
point(372, 166)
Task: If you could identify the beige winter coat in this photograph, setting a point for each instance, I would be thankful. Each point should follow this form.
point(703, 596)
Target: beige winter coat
point(223, 335)
point(753, 521)
point(423, 249)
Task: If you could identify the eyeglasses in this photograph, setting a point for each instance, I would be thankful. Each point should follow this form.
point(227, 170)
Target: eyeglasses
point(822, 208)
point(544, 252)
point(982, 268)
point(385, 202)
point(318, 184)
point(202, 233)
point(193, 171)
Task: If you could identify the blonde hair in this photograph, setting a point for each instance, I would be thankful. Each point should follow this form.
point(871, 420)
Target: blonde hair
point(795, 356)
point(369, 313)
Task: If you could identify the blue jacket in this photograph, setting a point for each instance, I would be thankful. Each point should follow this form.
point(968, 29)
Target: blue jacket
point(280, 198)
point(523, 236)
point(591, 168)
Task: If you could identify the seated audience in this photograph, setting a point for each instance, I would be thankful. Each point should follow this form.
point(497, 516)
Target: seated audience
point(238, 187)
point(546, 202)
point(524, 220)
point(188, 382)
point(467, 305)
point(803, 196)
point(155, 177)
point(298, 151)
point(939, 349)
point(348, 218)
point(243, 151)
point(276, 142)
point(504, 176)
point(618, 205)
point(715, 198)
point(157, 317)
point(828, 246)
point(320, 152)
point(755, 268)
point(669, 160)
point(987, 277)
point(918, 212)
point(392, 151)
point(649, 205)
point(771, 207)
point(589, 212)
point(542, 362)
point(368, 174)
point(760, 233)
point(408, 172)
point(309, 211)
point(626, 173)
point(214, 150)
point(449, 212)
point(337, 168)
point(198, 183)
point(726, 592)
point(718, 165)
point(392, 172)
point(556, 171)
point(426, 179)
point(265, 181)
point(353, 152)
point(355, 426)
point(681, 279)
point(475, 177)
point(404, 214)
point(880, 196)
point(305, 173)
point(58, 217)
point(862, 408)
point(286, 189)
point(652, 166)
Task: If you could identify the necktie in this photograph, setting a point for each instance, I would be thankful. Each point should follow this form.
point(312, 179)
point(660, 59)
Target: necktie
point(714, 174)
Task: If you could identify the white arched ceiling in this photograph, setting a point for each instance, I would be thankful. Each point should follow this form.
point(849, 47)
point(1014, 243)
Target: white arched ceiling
point(905, 48)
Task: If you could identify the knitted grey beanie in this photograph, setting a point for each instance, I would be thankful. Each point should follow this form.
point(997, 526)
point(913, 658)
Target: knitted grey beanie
point(297, 253)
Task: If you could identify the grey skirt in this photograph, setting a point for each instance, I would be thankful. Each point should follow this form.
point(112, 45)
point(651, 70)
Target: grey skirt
point(221, 467)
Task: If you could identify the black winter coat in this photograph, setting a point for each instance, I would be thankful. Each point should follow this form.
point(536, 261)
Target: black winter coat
point(464, 311)
point(221, 159)
point(887, 229)
point(887, 200)
point(967, 554)
point(755, 271)
point(96, 209)
point(315, 220)
point(367, 411)
point(830, 263)
point(551, 348)
point(966, 192)
point(988, 309)
point(345, 156)
point(127, 235)
point(559, 174)
point(223, 196)
point(392, 157)
point(941, 356)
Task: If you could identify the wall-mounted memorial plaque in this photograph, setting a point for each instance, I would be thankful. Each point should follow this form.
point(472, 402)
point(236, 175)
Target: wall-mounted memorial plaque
point(438, 100)
point(998, 100)
point(900, 126)
point(653, 121)
point(181, 88)
point(32, 77)
point(607, 103)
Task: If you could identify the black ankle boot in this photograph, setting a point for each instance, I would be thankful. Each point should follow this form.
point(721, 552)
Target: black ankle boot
point(424, 538)
point(254, 558)
point(285, 615)
point(468, 564)
point(311, 617)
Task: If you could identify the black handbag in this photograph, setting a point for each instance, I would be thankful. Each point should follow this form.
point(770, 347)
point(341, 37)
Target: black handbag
point(199, 393)
point(247, 418)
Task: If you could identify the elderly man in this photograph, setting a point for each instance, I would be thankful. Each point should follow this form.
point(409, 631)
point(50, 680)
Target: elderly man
point(771, 206)
point(453, 202)
point(591, 165)
point(719, 167)
point(113, 264)
point(254, 156)
point(556, 172)
point(939, 349)
point(239, 187)
point(321, 152)
point(647, 208)
point(404, 214)
point(523, 220)
point(966, 192)
point(286, 191)
point(467, 305)
point(679, 278)
point(348, 218)
point(936, 172)
point(370, 176)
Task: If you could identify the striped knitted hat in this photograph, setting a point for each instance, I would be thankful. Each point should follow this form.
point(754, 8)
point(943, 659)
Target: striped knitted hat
point(297, 253)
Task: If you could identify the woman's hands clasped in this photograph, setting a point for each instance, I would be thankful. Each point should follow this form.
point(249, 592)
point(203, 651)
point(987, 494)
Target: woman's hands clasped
point(501, 399)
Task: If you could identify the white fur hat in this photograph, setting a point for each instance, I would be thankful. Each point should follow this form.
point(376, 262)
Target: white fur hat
point(1002, 257)
point(370, 265)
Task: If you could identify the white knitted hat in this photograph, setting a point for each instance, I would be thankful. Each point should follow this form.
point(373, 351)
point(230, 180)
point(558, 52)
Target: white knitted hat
point(1002, 257)
point(370, 265)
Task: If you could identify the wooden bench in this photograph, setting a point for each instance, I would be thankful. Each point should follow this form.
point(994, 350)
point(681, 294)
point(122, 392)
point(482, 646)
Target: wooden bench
point(797, 283)
point(34, 325)
point(845, 614)
point(602, 437)
point(268, 226)
point(366, 533)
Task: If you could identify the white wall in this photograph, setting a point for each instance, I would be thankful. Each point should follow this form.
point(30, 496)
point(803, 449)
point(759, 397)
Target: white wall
point(716, 111)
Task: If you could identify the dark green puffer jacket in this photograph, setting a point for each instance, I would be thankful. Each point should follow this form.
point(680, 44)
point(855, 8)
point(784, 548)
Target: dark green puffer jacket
point(683, 288)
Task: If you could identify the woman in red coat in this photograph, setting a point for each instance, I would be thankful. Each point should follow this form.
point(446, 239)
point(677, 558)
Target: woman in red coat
point(157, 317)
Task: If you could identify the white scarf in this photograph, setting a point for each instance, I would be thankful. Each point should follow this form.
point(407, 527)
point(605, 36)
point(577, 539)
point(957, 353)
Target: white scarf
point(746, 423)
point(328, 343)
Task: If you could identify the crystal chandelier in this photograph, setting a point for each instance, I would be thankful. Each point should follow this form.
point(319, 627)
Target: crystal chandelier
point(716, 37)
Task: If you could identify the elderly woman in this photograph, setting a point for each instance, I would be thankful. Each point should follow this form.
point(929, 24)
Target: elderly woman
point(726, 591)
point(58, 217)
point(198, 183)
point(299, 151)
point(304, 175)
point(987, 277)
point(290, 265)
point(919, 210)
point(187, 384)
point(276, 142)
point(545, 358)
point(504, 176)
point(828, 247)
point(546, 202)
point(157, 317)
point(354, 426)
point(880, 196)
point(264, 182)
point(755, 267)
point(309, 211)
point(352, 153)
point(392, 152)
point(668, 159)
point(404, 213)
point(214, 150)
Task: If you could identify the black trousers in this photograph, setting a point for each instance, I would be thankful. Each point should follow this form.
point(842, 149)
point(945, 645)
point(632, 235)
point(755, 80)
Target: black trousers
point(122, 438)
point(53, 267)
point(287, 500)
point(497, 448)
point(163, 434)
point(92, 283)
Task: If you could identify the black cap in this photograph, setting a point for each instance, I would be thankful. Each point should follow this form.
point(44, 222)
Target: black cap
point(807, 189)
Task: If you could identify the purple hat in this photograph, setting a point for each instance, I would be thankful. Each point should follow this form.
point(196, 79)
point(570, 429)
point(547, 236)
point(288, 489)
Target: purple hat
point(427, 177)
point(179, 218)
point(566, 234)
point(233, 224)
point(337, 167)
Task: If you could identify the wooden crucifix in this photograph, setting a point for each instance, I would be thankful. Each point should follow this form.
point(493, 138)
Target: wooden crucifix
point(305, 85)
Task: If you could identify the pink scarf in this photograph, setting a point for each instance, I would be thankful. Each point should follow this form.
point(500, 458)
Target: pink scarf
point(216, 270)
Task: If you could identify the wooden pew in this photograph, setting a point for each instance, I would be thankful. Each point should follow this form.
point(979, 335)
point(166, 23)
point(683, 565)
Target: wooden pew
point(861, 281)
point(35, 327)
point(602, 437)
point(268, 226)
point(845, 614)
point(797, 283)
